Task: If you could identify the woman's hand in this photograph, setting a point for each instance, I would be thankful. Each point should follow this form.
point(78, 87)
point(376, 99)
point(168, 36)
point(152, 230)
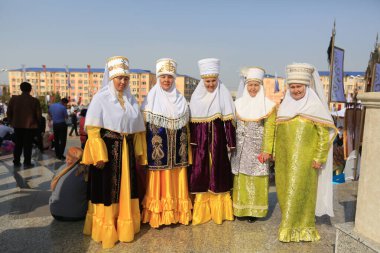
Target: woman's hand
point(100, 164)
point(266, 156)
point(317, 165)
point(230, 149)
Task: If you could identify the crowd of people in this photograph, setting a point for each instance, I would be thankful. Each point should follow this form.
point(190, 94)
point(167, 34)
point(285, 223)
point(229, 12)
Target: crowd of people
point(212, 148)
point(204, 160)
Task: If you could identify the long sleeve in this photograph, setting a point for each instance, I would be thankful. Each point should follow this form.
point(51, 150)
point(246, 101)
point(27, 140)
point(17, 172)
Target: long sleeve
point(230, 133)
point(139, 142)
point(269, 133)
point(95, 149)
point(323, 144)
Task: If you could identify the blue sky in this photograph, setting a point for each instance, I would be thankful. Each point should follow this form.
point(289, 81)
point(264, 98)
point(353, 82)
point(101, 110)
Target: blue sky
point(267, 33)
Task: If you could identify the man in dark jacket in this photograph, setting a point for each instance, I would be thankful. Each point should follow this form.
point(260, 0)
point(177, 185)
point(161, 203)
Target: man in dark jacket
point(24, 114)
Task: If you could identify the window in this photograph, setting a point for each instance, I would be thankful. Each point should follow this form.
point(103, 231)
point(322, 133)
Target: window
point(80, 81)
point(80, 75)
point(85, 82)
point(95, 82)
point(72, 75)
point(63, 81)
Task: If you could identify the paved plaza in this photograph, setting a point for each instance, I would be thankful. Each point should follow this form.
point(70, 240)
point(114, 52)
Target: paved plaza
point(27, 226)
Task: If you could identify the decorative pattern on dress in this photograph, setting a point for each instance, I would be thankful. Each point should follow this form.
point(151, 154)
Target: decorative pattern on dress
point(249, 140)
point(157, 153)
point(167, 148)
point(115, 163)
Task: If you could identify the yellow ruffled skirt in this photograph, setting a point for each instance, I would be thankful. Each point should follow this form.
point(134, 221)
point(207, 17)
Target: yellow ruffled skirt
point(215, 206)
point(167, 198)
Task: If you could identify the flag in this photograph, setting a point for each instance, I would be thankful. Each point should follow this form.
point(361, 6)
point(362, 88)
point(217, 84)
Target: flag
point(376, 83)
point(276, 85)
point(337, 85)
point(68, 77)
point(329, 50)
point(79, 100)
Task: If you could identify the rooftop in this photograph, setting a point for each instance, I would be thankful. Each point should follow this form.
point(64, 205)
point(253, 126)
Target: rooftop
point(77, 70)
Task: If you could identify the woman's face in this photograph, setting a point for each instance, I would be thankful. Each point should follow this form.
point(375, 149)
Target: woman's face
point(120, 82)
point(297, 90)
point(253, 87)
point(166, 82)
point(210, 83)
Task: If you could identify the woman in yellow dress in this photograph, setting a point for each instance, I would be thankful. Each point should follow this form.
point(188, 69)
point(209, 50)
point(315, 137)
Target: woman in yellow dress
point(303, 155)
point(166, 113)
point(116, 131)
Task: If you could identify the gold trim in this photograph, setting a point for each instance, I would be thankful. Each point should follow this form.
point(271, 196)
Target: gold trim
point(119, 74)
point(256, 120)
point(118, 66)
point(209, 75)
point(254, 79)
point(311, 120)
point(117, 57)
point(211, 118)
point(308, 118)
point(167, 66)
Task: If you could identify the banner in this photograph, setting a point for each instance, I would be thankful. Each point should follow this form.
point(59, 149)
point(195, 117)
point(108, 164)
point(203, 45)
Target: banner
point(337, 85)
point(376, 83)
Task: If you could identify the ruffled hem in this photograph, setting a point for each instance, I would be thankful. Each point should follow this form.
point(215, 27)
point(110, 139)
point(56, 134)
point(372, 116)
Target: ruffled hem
point(101, 224)
point(126, 229)
point(217, 207)
point(89, 220)
point(166, 211)
point(298, 234)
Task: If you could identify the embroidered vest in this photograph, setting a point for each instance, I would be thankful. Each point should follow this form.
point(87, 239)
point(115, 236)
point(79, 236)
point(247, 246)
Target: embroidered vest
point(167, 149)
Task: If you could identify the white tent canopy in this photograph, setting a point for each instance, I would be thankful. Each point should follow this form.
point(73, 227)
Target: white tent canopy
point(339, 113)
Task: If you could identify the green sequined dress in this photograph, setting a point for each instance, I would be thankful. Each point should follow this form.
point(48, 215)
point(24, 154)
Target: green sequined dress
point(298, 142)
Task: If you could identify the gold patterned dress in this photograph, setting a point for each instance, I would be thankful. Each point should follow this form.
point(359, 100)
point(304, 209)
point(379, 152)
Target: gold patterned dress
point(298, 142)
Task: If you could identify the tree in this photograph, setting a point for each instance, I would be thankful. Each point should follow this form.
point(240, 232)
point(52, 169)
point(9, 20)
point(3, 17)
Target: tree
point(5, 95)
point(44, 105)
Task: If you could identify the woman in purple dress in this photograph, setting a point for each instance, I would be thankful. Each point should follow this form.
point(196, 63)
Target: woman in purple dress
point(212, 136)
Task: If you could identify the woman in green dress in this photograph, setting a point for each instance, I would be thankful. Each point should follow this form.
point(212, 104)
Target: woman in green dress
point(256, 116)
point(303, 155)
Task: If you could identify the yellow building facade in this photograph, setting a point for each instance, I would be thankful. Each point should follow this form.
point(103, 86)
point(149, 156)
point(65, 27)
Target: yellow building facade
point(84, 83)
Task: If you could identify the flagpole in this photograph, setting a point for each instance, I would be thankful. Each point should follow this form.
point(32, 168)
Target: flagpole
point(331, 63)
